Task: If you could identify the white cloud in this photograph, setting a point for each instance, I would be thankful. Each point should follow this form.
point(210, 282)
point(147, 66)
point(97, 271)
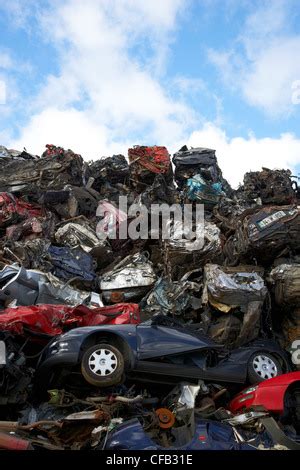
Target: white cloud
point(238, 155)
point(70, 129)
point(6, 61)
point(263, 61)
point(99, 75)
point(268, 83)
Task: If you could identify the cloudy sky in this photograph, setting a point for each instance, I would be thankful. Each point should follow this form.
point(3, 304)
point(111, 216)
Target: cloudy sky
point(98, 76)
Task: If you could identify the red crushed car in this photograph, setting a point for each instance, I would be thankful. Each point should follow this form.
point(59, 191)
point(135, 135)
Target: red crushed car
point(11, 207)
point(271, 395)
point(55, 319)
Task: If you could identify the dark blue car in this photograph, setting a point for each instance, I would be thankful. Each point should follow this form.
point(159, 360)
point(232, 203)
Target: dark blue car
point(156, 351)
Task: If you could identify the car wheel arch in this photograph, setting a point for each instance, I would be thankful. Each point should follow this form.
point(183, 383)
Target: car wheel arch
point(110, 338)
point(291, 388)
point(291, 401)
point(282, 361)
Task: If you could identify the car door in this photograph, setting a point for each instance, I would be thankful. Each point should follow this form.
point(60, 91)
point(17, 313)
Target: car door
point(155, 341)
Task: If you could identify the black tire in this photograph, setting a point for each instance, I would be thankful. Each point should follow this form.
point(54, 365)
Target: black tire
point(256, 374)
point(95, 373)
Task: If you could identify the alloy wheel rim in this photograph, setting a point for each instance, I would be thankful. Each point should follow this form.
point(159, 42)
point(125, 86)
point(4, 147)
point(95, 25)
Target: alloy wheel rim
point(264, 367)
point(102, 362)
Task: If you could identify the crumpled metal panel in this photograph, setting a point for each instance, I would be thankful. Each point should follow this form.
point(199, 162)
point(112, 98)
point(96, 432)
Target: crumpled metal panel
point(35, 227)
point(70, 263)
point(155, 159)
point(204, 193)
point(229, 290)
point(29, 287)
point(188, 395)
point(263, 233)
point(198, 161)
point(194, 156)
point(73, 234)
point(232, 287)
point(13, 209)
point(270, 186)
point(54, 170)
point(130, 435)
point(10, 154)
point(113, 169)
point(246, 418)
point(133, 271)
point(209, 237)
point(172, 297)
point(286, 278)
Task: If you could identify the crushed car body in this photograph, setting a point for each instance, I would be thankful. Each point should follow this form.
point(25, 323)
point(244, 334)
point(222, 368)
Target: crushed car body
point(166, 320)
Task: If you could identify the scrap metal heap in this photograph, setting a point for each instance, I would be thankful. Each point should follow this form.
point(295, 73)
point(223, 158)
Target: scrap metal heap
point(111, 342)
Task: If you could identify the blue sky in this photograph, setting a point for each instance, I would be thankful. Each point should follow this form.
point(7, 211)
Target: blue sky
point(98, 76)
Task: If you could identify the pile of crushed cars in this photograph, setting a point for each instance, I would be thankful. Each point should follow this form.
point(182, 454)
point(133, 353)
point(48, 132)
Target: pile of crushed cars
point(121, 343)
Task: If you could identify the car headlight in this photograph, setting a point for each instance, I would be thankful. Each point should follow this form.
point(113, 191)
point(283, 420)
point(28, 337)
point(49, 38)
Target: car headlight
point(59, 346)
point(247, 394)
point(249, 390)
point(245, 398)
point(63, 346)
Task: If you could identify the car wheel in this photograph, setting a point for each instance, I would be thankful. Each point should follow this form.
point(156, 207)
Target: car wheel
point(102, 365)
point(263, 366)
